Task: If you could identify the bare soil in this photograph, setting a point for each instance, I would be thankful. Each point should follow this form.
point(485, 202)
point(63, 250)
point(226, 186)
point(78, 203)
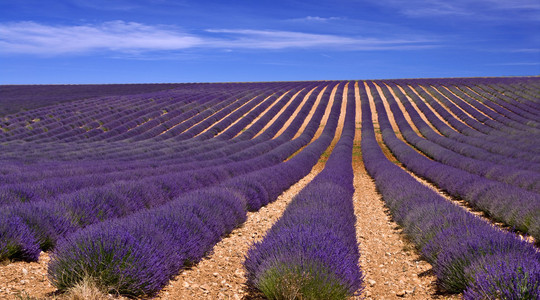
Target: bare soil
point(23, 278)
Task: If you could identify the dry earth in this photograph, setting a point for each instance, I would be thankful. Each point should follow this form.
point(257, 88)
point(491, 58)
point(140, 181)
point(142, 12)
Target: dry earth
point(22, 278)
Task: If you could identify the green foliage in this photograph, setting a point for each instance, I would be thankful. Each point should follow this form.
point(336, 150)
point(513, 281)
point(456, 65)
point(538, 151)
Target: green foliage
point(292, 282)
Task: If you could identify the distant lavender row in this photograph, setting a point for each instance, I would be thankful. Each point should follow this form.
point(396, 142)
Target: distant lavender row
point(100, 148)
point(486, 111)
point(158, 243)
point(511, 95)
point(467, 254)
point(311, 251)
point(148, 148)
point(509, 109)
point(194, 154)
point(495, 131)
point(82, 113)
point(501, 126)
point(105, 150)
point(105, 124)
point(95, 118)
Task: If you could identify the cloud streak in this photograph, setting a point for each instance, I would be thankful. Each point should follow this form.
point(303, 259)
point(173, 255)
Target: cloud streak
point(270, 39)
point(317, 19)
point(516, 64)
point(136, 38)
point(118, 36)
point(483, 9)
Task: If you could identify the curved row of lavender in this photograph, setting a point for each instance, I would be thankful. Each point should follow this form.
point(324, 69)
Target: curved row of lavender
point(311, 251)
point(139, 254)
point(451, 139)
point(194, 150)
point(509, 204)
point(468, 255)
point(85, 167)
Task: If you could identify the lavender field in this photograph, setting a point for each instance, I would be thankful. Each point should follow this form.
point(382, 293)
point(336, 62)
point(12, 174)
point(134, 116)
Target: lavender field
point(129, 186)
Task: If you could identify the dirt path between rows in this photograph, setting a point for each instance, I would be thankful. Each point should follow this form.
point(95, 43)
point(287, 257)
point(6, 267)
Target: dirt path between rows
point(221, 274)
point(393, 268)
point(24, 278)
point(274, 119)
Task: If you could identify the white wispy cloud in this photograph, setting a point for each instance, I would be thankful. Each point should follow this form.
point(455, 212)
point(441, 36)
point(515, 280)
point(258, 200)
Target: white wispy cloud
point(136, 38)
point(272, 39)
point(483, 9)
point(516, 64)
point(514, 4)
point(527, 50)
point(316, 19)
point(118, 36)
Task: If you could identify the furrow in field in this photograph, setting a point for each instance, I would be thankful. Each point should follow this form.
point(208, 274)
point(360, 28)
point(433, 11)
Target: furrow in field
point(252, 109)
point(428, 104)
point(295, 113)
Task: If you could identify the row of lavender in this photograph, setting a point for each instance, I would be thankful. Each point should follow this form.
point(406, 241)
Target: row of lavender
point(159, 242)
point(493, 131)
point(467, 253)
point(492, 143)
point(154, 113)
point(465, 137)
point(153, 95)
point(49, 121)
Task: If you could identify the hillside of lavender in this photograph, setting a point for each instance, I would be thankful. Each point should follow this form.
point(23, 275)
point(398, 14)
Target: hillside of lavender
point(129, 185)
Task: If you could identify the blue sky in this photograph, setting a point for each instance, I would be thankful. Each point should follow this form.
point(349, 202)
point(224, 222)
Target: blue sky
point(147, 41)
